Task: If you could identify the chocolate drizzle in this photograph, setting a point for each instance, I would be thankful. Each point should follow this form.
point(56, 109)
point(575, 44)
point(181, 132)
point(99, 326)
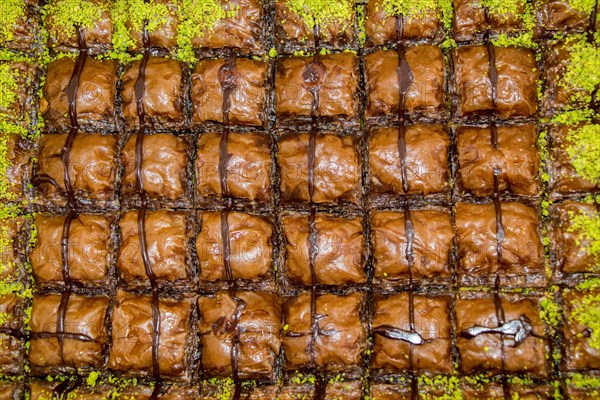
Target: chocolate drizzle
point(405, 79)
point(593, 20)
point(140, 90)
point(228, 81)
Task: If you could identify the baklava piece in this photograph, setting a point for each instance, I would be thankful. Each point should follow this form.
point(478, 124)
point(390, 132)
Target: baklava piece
point(163, 94)
point(425, 93)
point(582, 386)
point(92, 168)
point(16, 152)
point(248, 167)
point(245, 325)
point(163, 21)
point(296, 23)
point(82, 341)
point(393, 337)
point(63, 18)
point(43, 390)
point(11, 252)
point(167, 234)
point(516, 89)
point(565, 16)
point(340, 336)
point(237, 25)
point(333, 76)
point(390, 392)
point(339, 258)
point(247, 97)
point(132, 345)
point(337, 170)
point(167, 392)
point(426, 160)
point(573, 243)
point(570, 169)
point(417, 23)
point(472, 17)
point(164, 167)
point(17, 97)
point(431, 245)
point(20, 25)
point(89, 248)
point(483, 346)
point(479, 240)
point(11, 334)
point(94, 100)
point(515, 154)
point(570, 74)
point(250, 247)
point(580, 329)
point(494, 390)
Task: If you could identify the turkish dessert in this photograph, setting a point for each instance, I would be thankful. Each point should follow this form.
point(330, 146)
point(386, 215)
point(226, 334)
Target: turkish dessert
point(299, 199)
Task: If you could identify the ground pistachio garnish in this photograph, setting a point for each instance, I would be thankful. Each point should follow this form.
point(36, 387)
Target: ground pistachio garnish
point(66, 15)
point(420, 8)
point(322, 12)
point(129, 15)
point(503, 7)
point(198, 18)
point(587, 228)
point(5, 186)
point(586, 382)
point(12, 10)
point(549, 309)
point(581, 74)
point(584, 6)
point(449, 386)
point(586, 311)
point(583, 149)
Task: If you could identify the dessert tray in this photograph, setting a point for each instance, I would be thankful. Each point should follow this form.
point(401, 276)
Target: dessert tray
point(299, 199)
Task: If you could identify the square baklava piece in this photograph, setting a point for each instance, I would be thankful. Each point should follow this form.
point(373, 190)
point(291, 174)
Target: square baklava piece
point(296, 23)
point(82, 340)
point(514, 95)
point(569, 146)
point(482, 344)
point(247, 95)
point(17, 154)
point(381, 22)
point(164, 168)
point(426, 160)
point(244, 325)
point(487, 247)
point(511, 149)
point(424, 93)
point(247, 167)
point(337, 168)
point(249, 243)
point(493, 390)
point(164, 94)
point(42, 390)
point(92, 169)
point(97, 28)
point(333, 76)
point(573, 243)
point(337, 336)
point(132, 339)
point(580, 329)
point(21, 25)
point(94, 99)
point(339, 258)
point(430, 247)
point(89, 248)
point(167, 233)
point(472, 17)
point(12, 235)
point(564, 16)
point(429, 344)
point(16, 107)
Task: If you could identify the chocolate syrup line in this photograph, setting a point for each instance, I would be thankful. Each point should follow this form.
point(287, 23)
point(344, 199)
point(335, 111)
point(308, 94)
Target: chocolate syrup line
point(593, 20)
point(140, 91)
point(227, 80)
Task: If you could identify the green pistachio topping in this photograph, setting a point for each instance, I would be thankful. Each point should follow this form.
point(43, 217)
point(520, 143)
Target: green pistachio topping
point(321, 12)
point(67, 15)
point(584, 6)
point(588, 229)
point(503, 7)
point(448, 385)
point(12, 10)
point(584, 151)
point(420, 8)
point(580, 381)
point(549, 310)
point(224, 387)
point(130, 15)
point(573, 117)
point(586, 311)
point(582, 71)
point(5, 185)
point(8, 86)
point(200, 17)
